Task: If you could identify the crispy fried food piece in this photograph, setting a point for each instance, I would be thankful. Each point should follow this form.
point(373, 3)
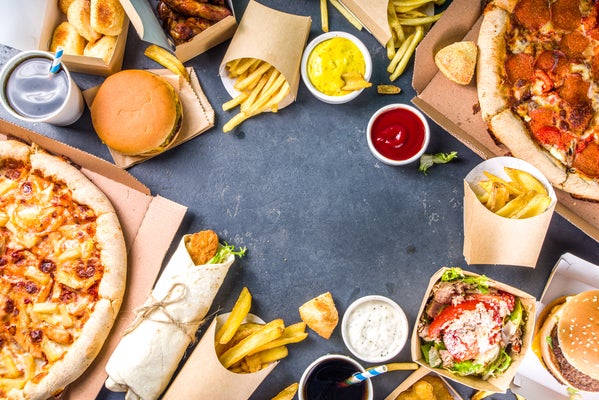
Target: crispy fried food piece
point(181, 28)
point(420, 390)
point(439, 388)
point(195, 8)
point(320, 314)
point(287, 393)
point(201, 246)
point(481, 394)
point(457, 61)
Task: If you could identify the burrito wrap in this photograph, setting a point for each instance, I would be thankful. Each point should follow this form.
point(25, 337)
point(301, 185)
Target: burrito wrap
point(146, 357)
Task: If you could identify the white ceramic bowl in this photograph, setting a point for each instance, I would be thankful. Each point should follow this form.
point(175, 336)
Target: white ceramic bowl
point(304, 67)
point(301, 392)
point(374, 328)
point(396, 122)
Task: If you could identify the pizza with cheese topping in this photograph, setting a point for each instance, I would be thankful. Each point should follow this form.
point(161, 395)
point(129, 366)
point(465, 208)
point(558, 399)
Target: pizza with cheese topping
point(63, 268)
point(538, 86)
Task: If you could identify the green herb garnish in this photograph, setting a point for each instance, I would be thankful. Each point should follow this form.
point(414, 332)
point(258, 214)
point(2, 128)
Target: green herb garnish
point(427, 160)
point(224, 251)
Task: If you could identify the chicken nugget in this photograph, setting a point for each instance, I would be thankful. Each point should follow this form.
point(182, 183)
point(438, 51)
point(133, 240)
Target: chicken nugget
point(439, 388)
point(201, 246)
point(420, 390)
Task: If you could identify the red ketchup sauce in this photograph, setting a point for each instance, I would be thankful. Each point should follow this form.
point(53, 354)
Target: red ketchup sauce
point(398, 134)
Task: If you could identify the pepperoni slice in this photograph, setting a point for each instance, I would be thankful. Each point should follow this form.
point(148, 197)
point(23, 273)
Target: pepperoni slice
point(532, 14)
point(519, 67)
point(565, 14)
point(579, 117)
point(587, 161)
point(573, 44)
point(574, 90)
point(554, 63)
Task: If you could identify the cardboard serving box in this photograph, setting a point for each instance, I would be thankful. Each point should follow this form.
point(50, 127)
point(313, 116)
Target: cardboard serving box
point(88, 65)
point(494, 384)
point(570, 275)
point(149, 225)
point(415, 377)
point(488, 235)
point(144, 19)
point(203, 362)
point(373, 15)
point(436, 97)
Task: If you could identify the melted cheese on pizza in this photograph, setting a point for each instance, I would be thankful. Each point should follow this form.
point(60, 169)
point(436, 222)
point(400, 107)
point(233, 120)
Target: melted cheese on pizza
point(50, 269)
point(558, 83)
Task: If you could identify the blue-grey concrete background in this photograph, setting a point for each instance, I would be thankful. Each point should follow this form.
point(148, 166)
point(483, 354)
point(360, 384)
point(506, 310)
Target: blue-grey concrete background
point(315, 209)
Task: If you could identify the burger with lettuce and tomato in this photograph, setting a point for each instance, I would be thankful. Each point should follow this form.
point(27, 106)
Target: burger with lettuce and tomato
point(470, 327)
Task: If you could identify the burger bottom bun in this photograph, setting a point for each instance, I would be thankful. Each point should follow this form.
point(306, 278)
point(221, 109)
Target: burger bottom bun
point(136, 112)
point(554, 358)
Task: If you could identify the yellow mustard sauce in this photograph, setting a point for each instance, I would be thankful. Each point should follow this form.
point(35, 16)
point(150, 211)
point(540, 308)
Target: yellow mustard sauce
point(329, 60)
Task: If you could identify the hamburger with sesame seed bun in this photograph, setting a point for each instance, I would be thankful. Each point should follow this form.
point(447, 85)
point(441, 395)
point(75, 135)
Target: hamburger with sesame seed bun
point(567, 340)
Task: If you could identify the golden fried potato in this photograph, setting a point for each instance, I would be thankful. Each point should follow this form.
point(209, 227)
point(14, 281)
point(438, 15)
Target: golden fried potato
point(201, 246)
point(420, 390)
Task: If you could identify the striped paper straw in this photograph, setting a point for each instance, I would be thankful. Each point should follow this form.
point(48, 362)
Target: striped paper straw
point(362, 376)
point(55, 67)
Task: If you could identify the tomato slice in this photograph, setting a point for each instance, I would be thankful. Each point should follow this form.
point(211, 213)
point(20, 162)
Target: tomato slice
point(449, 314)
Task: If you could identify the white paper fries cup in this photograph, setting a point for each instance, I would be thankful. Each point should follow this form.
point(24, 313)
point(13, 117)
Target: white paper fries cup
point(492, 239)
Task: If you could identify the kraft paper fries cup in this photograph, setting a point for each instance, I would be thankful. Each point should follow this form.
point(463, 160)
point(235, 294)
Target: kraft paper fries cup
point(494, 384)
point(71, 106)
point(492, 239)
point(273, 36)
point(204, 377)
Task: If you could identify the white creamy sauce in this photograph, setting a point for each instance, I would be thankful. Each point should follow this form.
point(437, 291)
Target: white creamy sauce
point(374, 329)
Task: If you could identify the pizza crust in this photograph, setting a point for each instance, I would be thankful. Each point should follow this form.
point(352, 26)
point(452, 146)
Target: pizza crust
point(511, 131)
point(491, 47)
point(113, 255)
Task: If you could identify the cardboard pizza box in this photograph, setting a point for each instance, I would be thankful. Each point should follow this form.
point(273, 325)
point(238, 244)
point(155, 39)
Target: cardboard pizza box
point(149, 222)
point(436, 97)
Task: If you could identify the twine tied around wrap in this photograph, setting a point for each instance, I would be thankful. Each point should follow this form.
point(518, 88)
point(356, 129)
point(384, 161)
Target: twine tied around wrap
point(153, 305)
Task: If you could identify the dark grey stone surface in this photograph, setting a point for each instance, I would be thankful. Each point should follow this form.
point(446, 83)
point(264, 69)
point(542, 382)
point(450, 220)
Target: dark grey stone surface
point(315, 209)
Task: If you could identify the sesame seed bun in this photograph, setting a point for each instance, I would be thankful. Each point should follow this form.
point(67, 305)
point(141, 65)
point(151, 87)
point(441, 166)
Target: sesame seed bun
point(569, 341)
point(136, 112)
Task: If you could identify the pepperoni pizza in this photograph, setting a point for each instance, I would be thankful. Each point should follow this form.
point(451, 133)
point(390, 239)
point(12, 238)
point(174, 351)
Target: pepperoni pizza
point(62, 272)
point(538, 86)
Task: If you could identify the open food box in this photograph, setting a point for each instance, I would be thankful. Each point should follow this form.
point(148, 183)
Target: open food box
point(149, 224)
point(417, 376)
point(144, 19)
point(570, 275)
point(436, 97)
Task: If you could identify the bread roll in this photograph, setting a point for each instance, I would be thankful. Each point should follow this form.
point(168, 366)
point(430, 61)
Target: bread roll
point(63, 5)
point(78, 15)
point(66, 35)
point(102, 48)
point(107, 16)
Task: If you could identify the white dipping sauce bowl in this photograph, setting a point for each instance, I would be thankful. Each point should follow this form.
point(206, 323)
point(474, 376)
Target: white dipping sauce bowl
point(304, 67)
point(374, 328)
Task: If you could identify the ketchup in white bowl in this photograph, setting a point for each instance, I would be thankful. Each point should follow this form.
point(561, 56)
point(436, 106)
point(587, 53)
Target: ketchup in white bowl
point(398, 134)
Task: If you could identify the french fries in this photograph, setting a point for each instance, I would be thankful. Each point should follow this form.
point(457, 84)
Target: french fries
point(408, 20)
point(166, 59)
point(287, 393)
point(246, 347)
point(521, 197)
point(324, 15)
point(388, 89)
point(262, 87)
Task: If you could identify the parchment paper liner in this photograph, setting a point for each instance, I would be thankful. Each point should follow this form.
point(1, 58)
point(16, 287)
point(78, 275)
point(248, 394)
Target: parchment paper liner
point(198, 114)
point(204, 377)
point(498, 384)
point(273, 36)
point(149, 353)
point(491, 239)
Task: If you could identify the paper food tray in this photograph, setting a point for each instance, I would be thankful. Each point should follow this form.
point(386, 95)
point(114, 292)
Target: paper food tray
point(570, 275)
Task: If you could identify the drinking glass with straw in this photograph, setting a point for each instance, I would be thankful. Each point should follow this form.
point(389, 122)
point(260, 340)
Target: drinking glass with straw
point(374, 371)
point(56, 61)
